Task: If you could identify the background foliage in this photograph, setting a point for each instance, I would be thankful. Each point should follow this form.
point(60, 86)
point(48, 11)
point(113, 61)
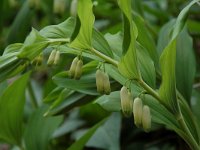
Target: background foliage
point(76, 115)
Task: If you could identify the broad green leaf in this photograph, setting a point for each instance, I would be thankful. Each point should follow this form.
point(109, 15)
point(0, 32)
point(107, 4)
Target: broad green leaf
point(80, 143)
point(128, 66)
point(115, 43)
point(33, 45)
point(185, 64)
point(86, 84)
point(146, 66)
point(145, 39)
point(110, 102)
point(107, 136)
point(11, 111)
point(100, 43)
point(167, 89)
point(62, 30)
point(84, 38)
point(40, 129)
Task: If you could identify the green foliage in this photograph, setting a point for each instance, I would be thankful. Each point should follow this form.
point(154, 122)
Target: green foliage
point(11, 108)
point(164, 77)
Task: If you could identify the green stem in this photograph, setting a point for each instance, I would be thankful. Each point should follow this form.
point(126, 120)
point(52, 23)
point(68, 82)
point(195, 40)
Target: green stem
point(60, 40)
point(190, 139)
point(106, 58)
point(32, 96)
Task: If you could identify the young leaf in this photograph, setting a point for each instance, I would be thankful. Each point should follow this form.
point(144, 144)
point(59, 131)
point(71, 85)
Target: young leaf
point(167, 89)
point(128, 66)
point(84, 38)
point(11, 111)
point(62, 30)
point(33, 45)
point(80, 143)
point(40, 129)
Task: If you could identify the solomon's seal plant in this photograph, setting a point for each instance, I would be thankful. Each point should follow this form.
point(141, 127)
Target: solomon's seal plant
point(156, 95)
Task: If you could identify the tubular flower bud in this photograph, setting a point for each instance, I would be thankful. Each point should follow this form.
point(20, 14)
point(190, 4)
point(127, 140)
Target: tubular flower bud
point(78, 71)
point(51, 58)
point(59, 6)
point(73, 8)
point(137, 111)
point(146, 118)
point(99, 81)
point(106, 84)
point(73, 67)
point(57, 58)
point(126, 101)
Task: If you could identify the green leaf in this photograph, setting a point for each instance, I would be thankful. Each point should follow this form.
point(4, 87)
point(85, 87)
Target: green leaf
point(145, 39)
point(85, 14)
point(146, 66)
point(53, 95)
point(40, 129)
point(62, 30)
point(33, 45)
point(80, 143)
point(110, 102)
point(12, 48)
point(12, 101)
point(86, 84)
point(128, 66)
point(100, 43)
point(185, 64)
point(167, 89)
point(107, 136)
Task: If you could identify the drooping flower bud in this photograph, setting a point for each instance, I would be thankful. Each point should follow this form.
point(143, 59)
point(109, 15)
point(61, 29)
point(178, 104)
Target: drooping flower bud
point(57, 58)
point(126, 101)
point(51, 58)
point(99, 81)
point(73, 8)
point(106, 84)
point(59, 6)
point(73, 67)
point(137, 111)
point(78, 71)
point(146, 118)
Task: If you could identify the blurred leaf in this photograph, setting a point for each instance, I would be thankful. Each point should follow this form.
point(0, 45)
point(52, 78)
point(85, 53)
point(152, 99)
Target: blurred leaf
point(40, 129)
point(12, 101)
point(185, 64)
point(145, 39)
point(80, 143)
point(84, 38)
point(107, 136)
point(193, 26)
point(21, 23)
point(110, 102)
point(12, 48)
point(62, 30)
point(100, 43)
point(52, 96)
point(128, 66)
point(146, 66)
point(33, 45)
